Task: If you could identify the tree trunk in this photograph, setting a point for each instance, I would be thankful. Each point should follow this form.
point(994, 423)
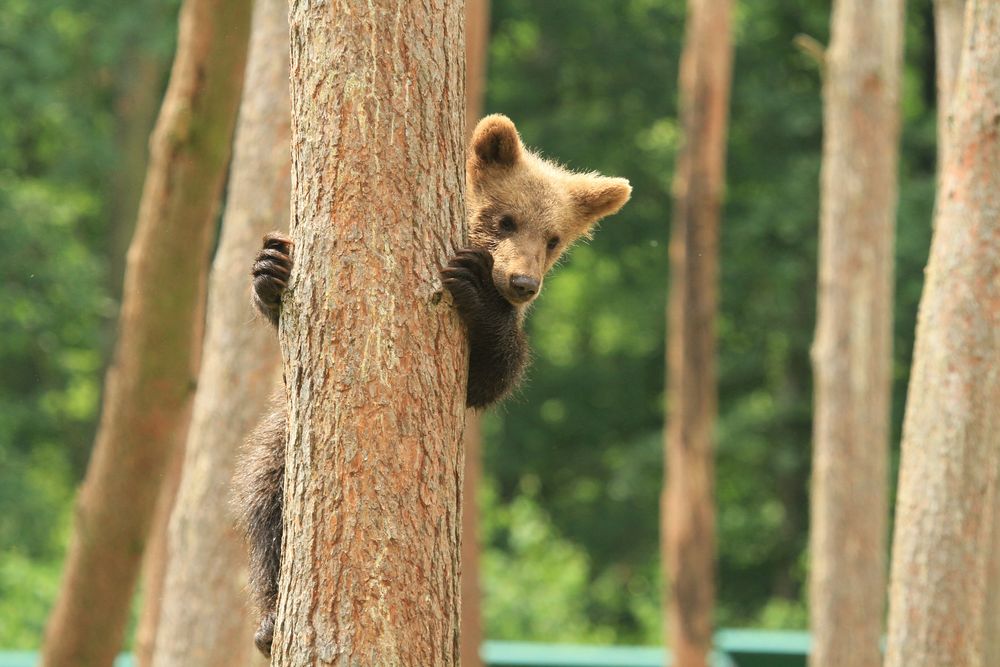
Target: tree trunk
point(472, 617)
point(154, 560)
point(135, 113)
point(150, 383)
point(852, 353)
point(946, 509)
point(477, 37)
point(948, 51)
point(688, 504)
point(375, 359)
point(205, 618)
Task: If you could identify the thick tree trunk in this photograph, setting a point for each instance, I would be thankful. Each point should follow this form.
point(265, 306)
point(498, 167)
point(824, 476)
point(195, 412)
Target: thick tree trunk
point(477, 36)
point(149, 386)
point(852, 353)
point(688, 501)
point(205, 620)
point(375, 359)
point(946, 510)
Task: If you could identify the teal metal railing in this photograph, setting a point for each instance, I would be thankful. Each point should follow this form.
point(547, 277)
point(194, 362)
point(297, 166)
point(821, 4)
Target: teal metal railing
point(733, 648)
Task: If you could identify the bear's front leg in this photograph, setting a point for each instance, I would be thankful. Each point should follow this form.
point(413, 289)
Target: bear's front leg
point(497, 346)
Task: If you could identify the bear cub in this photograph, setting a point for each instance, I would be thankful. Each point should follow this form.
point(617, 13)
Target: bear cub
point(523, 213)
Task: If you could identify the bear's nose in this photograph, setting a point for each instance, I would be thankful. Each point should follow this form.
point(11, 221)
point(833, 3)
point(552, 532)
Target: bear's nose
point(524, 286)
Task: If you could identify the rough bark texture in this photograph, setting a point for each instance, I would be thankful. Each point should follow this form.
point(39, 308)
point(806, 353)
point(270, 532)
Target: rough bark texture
point(150, 383)
point(688, 502)
point(375, 358)
point(945, 514)
point(205, 619)
point(477, 24)
point(852, 353)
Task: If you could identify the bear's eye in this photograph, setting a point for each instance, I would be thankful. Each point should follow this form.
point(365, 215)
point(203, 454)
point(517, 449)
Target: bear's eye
point(553, 242)
point(507, 224)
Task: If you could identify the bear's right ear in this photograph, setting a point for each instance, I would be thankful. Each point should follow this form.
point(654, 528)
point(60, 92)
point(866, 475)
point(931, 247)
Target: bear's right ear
point(495, 142)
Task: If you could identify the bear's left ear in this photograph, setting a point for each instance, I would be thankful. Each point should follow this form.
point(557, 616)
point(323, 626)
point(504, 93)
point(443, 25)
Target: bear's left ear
point(597, 197)
point(495, 142)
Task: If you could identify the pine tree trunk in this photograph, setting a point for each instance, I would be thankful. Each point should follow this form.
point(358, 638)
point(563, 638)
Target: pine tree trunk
point(947, 501)
point(150, 383)
point(688, 501)
point(852, 353)
point(477, 37)
point(205, 619)
point(375, 359)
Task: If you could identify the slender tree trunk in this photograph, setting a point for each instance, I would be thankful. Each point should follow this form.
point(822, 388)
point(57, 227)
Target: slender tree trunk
point(154, 560)
point(948, 51)
point(852, 353)
point(205, 617)
point(688, 501)
point(375, 359)
point(477, 37)
point(946, 510)
point(135, 111)
point(472, 617)
point(150, 383)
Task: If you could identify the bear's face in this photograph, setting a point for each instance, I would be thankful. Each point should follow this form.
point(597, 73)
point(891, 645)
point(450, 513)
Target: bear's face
point(527, 211)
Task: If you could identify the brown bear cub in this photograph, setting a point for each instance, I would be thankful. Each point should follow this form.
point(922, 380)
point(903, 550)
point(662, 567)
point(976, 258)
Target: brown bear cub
point(524, 212)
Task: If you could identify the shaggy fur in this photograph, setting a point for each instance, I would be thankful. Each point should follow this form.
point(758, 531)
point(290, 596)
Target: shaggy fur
point(524, 212)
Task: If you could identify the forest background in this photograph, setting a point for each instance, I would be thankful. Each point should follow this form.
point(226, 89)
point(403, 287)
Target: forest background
point(573, 464)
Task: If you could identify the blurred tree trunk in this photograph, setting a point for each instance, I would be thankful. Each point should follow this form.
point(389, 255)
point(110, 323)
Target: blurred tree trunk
point(142, 72)
point(135, 112)
point(852, 352)
point(205, 620)
point(154, 559)
point(374, 358)
point(948, 51)
point(947, 501)
point(477, 37)
point(150, 383)
point(688, 501)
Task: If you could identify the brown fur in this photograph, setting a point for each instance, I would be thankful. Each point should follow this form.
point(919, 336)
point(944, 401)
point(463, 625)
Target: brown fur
point(524, 212)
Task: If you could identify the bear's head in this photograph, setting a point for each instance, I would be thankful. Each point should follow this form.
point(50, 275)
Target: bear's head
point(527, 211)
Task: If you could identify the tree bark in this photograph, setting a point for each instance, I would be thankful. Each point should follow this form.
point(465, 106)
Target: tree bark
point(477, 37)
point(947, 501)
point(205, 619)
point(150, 383)
point(688, 504)
point(852, 352)
point(375, 359)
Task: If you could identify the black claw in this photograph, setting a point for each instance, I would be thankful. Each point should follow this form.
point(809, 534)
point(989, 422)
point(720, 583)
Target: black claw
point(271, 270)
